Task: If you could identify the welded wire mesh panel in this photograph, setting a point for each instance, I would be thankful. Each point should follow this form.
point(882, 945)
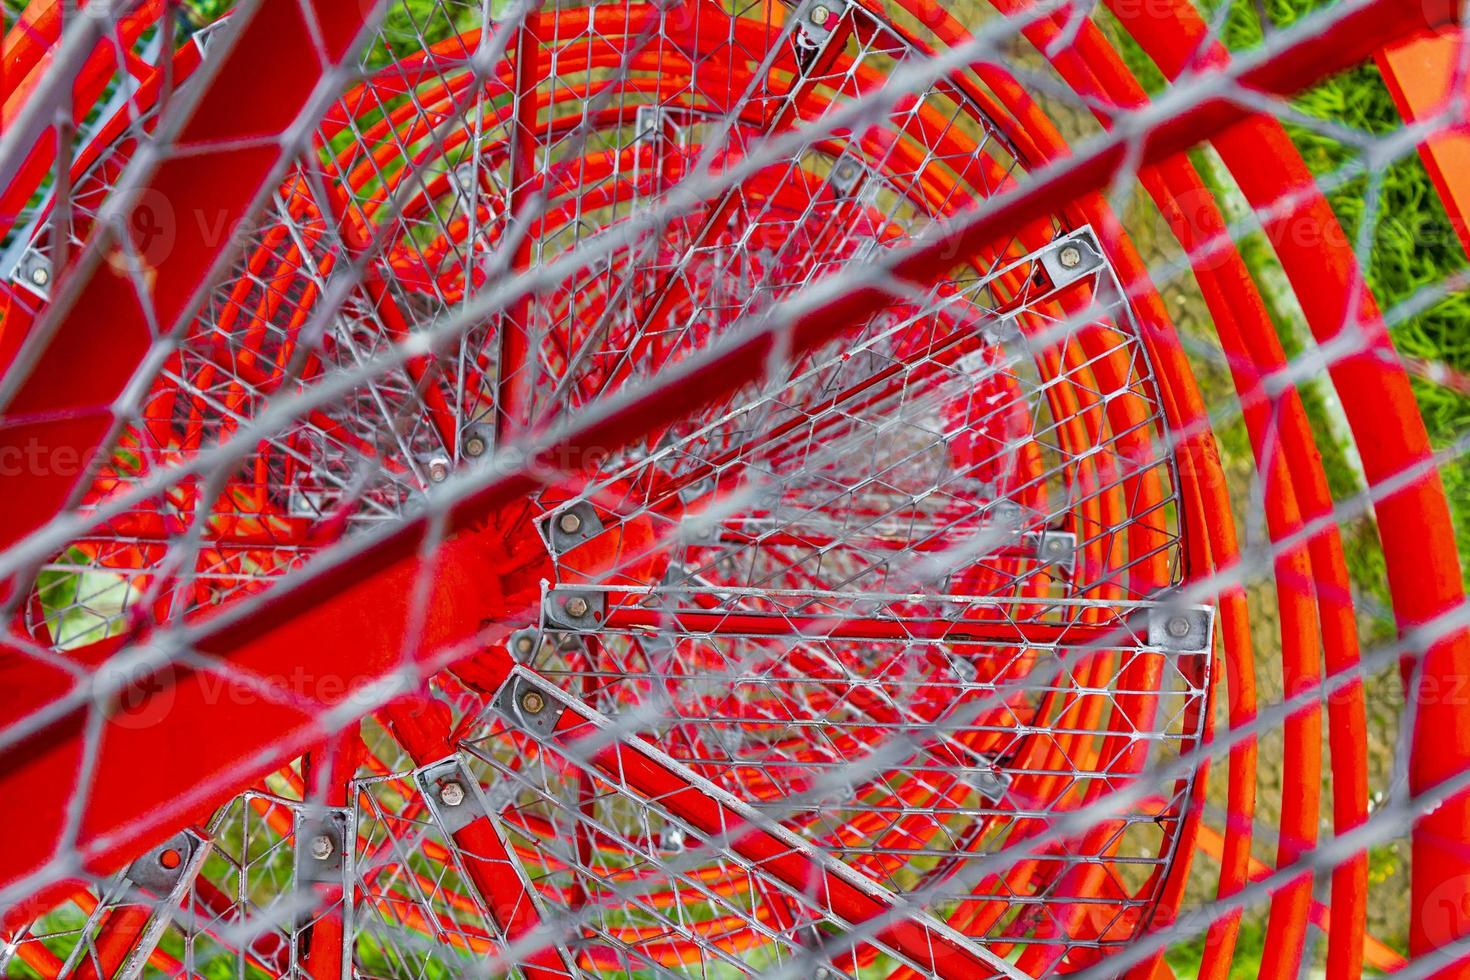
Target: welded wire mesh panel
point(713, 489)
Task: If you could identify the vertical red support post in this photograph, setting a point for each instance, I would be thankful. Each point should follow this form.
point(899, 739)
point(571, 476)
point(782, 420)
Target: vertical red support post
point(325, 950)
point(513, 367)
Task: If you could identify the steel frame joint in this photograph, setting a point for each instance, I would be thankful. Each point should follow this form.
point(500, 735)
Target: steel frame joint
point(452, 793)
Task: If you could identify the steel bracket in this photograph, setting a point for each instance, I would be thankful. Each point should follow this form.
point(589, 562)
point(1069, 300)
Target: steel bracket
point(524, 643)
point(161, 869)
point(1181, 629)
point(527, 705)
point(574, 610)
point(567, 527)
point(475, 441)
point(848, 174)
point(316, 829)
point(1057, 548)
point(33, 274)
point(1072, 257)
point(649, 122)
point(453, 795)
point(817, 20)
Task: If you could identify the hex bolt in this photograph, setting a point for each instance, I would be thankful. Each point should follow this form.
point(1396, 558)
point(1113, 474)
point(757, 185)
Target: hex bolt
point(532, 702)
point(439, 471)
point(569, 523)
point(475, 446)
point(40, 275)
point(821, 13)
point(525, 644)
point(451, 793)
point(322, 847)
point(1178, 627)
point(577, 607)
point(1070, 257)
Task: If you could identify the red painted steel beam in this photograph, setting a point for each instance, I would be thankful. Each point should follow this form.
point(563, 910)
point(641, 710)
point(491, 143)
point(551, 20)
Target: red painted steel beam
point(513, 364)
point(173, 747)
point(206, 757)
point(58, 397)
point(1424, 77)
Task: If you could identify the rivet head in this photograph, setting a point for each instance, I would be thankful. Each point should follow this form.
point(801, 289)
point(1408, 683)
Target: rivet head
point(821, 13)
point(532, 702)
point(1070, 257)
point(577, 607)
point(524, 644)
point(322, 847)
point(1178, 627)
point(569, 523)
point(475, 446)
point(451, 794)
point(169, 859)
point(40, 275)
point(439, 471)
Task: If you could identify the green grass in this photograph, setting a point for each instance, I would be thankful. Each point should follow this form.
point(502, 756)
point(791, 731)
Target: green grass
point(1411, 242)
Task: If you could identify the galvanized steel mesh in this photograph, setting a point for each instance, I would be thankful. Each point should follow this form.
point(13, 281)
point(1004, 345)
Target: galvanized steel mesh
point(800, 543)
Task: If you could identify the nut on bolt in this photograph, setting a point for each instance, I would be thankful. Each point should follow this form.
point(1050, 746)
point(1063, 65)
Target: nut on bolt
point(577, 607)
point(1177, 627)
point(451, 793)
point(474, 446)
point(40, 275)
point(532, 702)
point(525, 644)
point(569, 523)
point(821, 13)
point(322, 847)
point(439, 470)
point(1070, 256)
